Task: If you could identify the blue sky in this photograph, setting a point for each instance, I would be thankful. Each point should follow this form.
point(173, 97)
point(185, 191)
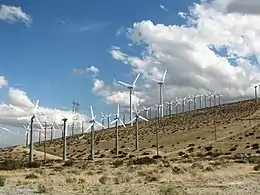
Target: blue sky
point(72, 34)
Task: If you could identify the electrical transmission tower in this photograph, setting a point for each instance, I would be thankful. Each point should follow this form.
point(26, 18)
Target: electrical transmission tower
point(75, 109)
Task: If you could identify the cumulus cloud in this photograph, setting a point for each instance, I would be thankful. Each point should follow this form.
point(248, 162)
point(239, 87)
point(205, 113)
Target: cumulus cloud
point(238, 6)
point(3, 81)
point(18, 105)
point(93, 70)
point(12, 14)
point(214, 50)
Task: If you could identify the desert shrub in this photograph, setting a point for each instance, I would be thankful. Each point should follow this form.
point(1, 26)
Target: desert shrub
point(168, 190)
point(151, 178)
point(2, 180)
point(41, 188)
point(208, 148)
point(9, 164)
point(257, 167)
point(68, 163)
point(102, 155)
point(31, 176)
point(142, 161)
point(104, 179)
point(255, 146)
point(131, 156)
point(157, 157)
point(34, 164)
point(118, 163)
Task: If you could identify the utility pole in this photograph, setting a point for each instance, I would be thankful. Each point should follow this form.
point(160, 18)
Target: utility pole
point(31, 141)
point(64, 140)
point(73, 111)
point(45, 135)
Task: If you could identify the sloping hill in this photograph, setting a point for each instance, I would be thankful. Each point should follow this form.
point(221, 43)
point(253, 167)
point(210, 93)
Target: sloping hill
point(188, 131)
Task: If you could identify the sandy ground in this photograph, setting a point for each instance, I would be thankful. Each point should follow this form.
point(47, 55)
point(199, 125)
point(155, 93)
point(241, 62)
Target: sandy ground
point(165, 178)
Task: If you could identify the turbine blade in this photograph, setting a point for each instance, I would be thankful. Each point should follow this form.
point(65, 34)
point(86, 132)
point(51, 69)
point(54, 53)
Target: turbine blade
point(39, 123)
point(5, 129)
point(136, 78)
point(164, 76)
point(157, 81)
point(36, 106)
point(24, 118)
point(143, 118)
point(91, 111)
point(131, 121)
point(99, 124)
point(114, 121)
point(118, 110)
point(122, 123)
point(125, 84)
point(89, 126)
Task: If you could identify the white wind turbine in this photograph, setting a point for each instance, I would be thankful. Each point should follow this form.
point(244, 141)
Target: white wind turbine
point(177, 103)
point(210, 98)
point(200, 99)
point(102, 119)
point(218, 97)
point(195, 101)
point(131, 90)
point(205, 99)
point(146, 111)
point(161, 83)
point(27, 130)
point(136, 117)
point(169, 104)
point(183, 104)
point(117, 118)
point(159, 108)
point(108, 120)
point(92, 124)
point(35, 111)
point(189, 101)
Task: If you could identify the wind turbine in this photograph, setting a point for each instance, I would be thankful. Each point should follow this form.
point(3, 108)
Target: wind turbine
point(169, 104)
point(92, 124)
point(131, 90)
point(161, 83)
point(108, 120)
point(218, 97)
point(136, 117)
point(117, 118)
point(183, 104)
point(205, 99)
point(27, 130)
point(210, 98)
point(102, 119)
point(177, 103)
point(200, 98)
point(256, 92)
point(158, 110)
point(35, 110)
point(146, 111)
point(189, 101)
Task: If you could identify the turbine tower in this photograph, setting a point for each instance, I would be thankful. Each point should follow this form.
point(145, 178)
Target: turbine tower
point(169, 104)
point(92, 124)
point(161, 83)
point(117, 118)
point(189, 101)
point(136, 117)
point(131, 90)
point(177, 103)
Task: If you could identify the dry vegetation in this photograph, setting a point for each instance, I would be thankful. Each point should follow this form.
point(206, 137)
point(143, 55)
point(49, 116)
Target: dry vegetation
point(191, 161)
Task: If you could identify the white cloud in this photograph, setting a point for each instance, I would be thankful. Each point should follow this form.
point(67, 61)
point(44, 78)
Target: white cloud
point(194, 55)
point(12, 14)
point(3, 81)
point(163, 7)
point(93, 70)
point(238, 6)
point(19, 104)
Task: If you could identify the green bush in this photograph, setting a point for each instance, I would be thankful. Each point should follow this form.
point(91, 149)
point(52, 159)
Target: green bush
point(2, 180)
